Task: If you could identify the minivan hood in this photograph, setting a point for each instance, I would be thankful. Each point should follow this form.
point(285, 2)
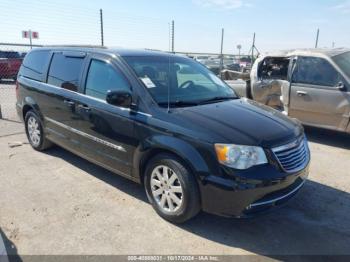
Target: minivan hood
point(241, 121)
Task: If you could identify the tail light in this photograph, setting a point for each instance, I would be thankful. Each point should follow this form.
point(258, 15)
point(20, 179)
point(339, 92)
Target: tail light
point(17, 90)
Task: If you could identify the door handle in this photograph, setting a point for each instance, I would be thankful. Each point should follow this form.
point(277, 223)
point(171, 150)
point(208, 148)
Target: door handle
point(69, 102)
point(301, 93)
point(84, 107)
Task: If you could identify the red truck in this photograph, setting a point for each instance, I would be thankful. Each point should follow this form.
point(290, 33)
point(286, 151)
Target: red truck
point(10, 62)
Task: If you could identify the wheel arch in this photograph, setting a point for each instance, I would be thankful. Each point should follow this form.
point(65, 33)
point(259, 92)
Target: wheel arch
point(190, 157)
point(30, 104)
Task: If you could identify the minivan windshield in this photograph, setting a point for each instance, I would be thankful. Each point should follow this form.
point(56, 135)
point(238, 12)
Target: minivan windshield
point(181, 81)
point(343, 61)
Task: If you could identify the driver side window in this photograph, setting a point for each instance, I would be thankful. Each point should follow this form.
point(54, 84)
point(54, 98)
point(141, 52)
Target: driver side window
point(102, 77)
point(315, 71)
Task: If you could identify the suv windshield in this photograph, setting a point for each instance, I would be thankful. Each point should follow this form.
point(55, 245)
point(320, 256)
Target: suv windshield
point(343, 61)
point(183, 81)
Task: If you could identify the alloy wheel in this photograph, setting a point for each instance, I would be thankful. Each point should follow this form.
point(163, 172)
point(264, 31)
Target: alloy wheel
point(34, 131)
point(166, 189)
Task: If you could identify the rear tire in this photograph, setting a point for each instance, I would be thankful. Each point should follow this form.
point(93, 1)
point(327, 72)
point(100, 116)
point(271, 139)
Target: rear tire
point(171, 189)
point(35, 132)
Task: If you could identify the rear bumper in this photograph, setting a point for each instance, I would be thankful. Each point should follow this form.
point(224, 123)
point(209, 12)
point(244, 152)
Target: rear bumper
point(230, 198)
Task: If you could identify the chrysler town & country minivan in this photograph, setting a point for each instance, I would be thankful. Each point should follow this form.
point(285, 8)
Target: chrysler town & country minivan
point(166, 122)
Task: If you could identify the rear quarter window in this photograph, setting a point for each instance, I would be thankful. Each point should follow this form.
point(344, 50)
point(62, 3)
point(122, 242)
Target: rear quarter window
point(35, 64)
point(36, 61)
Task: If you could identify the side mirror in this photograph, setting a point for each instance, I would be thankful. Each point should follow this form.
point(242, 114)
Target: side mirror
point(340, 86)
point(119, 98)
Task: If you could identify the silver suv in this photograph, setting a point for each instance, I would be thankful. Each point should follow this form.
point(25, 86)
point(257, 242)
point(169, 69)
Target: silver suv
point(310, 85)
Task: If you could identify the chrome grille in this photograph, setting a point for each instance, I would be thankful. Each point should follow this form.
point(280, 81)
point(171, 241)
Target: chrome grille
point(293, 157)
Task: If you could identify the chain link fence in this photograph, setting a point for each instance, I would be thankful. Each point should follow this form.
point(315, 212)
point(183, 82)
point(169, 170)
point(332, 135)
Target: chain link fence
point(11, 57)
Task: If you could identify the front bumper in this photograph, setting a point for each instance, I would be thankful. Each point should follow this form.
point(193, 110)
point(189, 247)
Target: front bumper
point(247, 197)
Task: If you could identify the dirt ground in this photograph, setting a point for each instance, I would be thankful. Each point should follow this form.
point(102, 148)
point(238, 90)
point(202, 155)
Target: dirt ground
point(58, 203)
point(8, 100)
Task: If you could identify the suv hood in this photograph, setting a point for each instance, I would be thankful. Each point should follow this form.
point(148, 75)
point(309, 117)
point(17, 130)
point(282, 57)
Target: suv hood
point(242, 122)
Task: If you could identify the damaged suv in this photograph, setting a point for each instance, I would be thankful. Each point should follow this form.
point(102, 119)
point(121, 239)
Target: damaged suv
point(310, 85)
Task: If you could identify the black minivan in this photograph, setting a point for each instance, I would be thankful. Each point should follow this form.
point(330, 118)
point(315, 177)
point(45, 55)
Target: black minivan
point(164, 121)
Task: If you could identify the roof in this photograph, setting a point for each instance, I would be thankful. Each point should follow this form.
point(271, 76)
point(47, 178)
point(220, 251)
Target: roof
point(117, 51)
point(311, 51)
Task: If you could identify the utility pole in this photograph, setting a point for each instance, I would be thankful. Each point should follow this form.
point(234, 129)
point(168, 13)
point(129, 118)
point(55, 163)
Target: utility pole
point(221, 51)
point(253, 47)
point(239, 47)
point(172, 36)
point(251, 50)
point(30, 39)
point(317, 36)
point(101, 23)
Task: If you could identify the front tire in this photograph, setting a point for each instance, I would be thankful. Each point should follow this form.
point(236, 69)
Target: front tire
point(171, 189)
point(35, 132)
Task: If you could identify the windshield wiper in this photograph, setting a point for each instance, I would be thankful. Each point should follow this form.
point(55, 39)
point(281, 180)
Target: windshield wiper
point(178, 103)
point(217, 99)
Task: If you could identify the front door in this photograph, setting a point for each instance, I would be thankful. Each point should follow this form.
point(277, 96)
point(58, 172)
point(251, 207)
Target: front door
point(107, 130)
point(315, 96)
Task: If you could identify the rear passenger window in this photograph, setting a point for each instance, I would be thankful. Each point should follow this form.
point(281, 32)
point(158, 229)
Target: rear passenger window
point(65, 71)
point(102, 77)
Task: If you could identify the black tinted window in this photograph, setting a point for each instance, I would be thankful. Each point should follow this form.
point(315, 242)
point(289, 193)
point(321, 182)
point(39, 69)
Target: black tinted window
point(102, 77)
point(315, 71)
point(36, 61)
point(65, 71)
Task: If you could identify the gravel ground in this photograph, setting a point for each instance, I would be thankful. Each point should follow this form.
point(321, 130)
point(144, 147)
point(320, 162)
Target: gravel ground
point(58, 203)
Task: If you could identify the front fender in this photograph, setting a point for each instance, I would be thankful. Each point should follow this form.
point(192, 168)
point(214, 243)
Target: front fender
point(161, 143)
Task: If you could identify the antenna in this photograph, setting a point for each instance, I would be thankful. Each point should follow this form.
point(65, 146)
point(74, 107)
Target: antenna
point(169, 37)
point(221, 50)
point(169, 85)
point(172, 36)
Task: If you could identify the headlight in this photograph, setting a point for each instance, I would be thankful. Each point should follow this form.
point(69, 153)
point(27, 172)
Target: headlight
point(240, 157)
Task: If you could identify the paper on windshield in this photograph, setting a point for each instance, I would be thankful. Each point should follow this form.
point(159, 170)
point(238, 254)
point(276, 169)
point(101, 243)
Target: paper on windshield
point(148, 82)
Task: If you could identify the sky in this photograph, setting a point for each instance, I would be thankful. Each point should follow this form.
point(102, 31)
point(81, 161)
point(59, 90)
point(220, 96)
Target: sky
point(146, 23)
